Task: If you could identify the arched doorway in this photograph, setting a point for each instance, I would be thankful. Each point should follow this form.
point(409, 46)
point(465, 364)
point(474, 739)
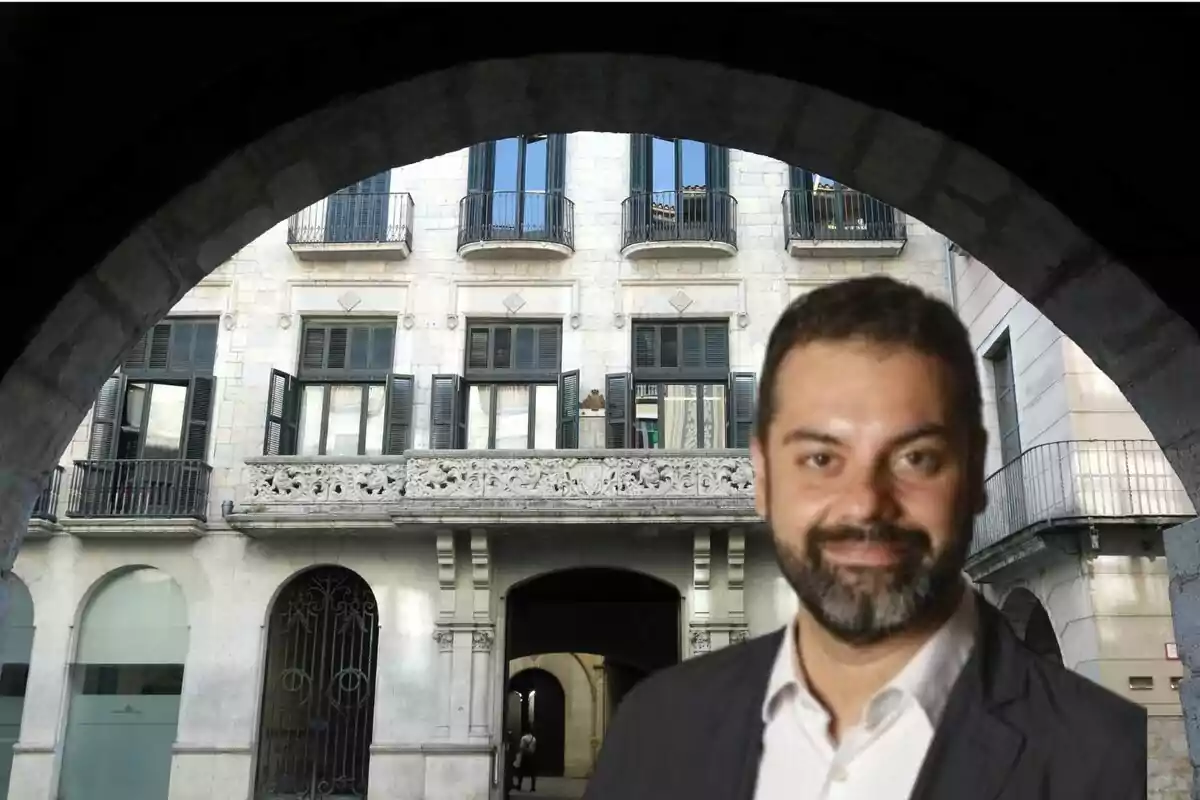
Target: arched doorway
point(318, 702)
point(599, 630)
point(14, 656)
point(539, 705)
point(1031, 623)
point(125, 683)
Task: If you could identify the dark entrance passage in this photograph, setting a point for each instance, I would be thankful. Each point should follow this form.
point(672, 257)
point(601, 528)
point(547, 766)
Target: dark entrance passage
point(578, 641)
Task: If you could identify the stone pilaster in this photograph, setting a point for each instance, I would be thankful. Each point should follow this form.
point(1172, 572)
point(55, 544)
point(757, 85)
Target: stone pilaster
point(445, 666)
point(447, 576)
point(482, 640)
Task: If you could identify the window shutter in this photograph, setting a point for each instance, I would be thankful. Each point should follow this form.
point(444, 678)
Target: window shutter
point(198, 418)
point(743, 400)
point(282, 412)
point(556, 180)
point(639, 163)
point(548, 347)
point(645, 346)
point(717, 167)
point(312, 351)
point(478, 342)
point(479, 159)
point(397, 436)
point(716, 346)
point(106, 417)
point(617, 389)
point(445, 412)
point(568, 413)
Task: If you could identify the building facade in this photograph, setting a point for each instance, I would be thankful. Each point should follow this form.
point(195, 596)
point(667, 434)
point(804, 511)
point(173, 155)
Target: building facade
point(454, 453)
point(1079, 493)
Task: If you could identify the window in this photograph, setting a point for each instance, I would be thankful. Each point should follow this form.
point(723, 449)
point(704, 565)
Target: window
point(511, 395)
point(344, 400)
point(681, 394)
point(1000, 358)
point(359, 213)
point(159, 404)
point(515, 188)
point(822, 208)
point(679, 189)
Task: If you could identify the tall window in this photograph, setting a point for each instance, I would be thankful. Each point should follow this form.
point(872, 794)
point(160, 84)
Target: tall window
point(158, 406)
point(678, 190)
point(359, 213)
point(512, 394)
point(1000, 358)
point(822, 208)
point(344, 399)
point(680, 394)
point(513, 184)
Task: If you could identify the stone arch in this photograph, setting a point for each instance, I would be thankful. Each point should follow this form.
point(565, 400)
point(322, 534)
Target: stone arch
point(1031, 622)
point(126, 678)
point(16, 648)
point(983, 206)
point(321, 661)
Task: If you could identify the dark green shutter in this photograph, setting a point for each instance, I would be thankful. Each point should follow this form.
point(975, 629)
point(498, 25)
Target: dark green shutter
point(106, 419)
point(743, 396)
point(446, 424)
point(556, 183)
point(397, 435)
point(283, 411)
point(568, 410)
point(198, 418)
point(721, 214)
point(640, 145)
point(476, 209)
point(637, 215)
point(152, 351)
point(617, 413)
point(716, 346)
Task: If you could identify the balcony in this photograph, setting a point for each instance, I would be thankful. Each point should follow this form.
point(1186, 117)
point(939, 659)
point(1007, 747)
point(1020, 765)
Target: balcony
point(1074, 486)
point(347, 227)
point(125, 497)
point(526, 225)
point(840, 222)
point(694, 223)
point(43, 520)
point(499, 489)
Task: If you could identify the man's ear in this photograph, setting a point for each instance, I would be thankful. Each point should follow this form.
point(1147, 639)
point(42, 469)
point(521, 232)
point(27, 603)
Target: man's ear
point(758, 458)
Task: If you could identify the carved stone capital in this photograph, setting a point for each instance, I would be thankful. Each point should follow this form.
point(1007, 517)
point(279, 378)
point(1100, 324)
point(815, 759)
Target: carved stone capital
point(738, 635)
point(701, 640)
point(445, 639)
point(482, 639)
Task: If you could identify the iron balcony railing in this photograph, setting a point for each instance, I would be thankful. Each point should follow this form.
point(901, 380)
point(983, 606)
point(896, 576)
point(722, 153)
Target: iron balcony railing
point(699, 215)
point(355, 218)
point(46, 505)
point(516, 217)
point(1064, 482)
point(840, 215)
point(140, 488)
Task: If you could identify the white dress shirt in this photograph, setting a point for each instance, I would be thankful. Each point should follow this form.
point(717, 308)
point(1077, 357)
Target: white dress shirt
point(877, 759)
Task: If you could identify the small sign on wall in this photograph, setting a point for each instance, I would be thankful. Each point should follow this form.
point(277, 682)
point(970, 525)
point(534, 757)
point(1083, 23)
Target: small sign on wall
point(1172, 651)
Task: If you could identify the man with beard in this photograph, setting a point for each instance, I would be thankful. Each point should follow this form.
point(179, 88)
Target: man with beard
point(895, 679)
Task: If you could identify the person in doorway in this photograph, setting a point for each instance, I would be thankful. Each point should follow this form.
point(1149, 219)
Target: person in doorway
point(526, 761)
point(895, 679)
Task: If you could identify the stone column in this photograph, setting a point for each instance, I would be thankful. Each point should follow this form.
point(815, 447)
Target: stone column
point(481, 678)
point(445, 667)
point(1183, 563)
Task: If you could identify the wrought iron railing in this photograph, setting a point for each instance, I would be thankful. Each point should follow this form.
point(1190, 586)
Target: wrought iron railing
point(516, 217)
point(140, 488)
point(46, 505)
point(354, 218)
point(698, 215)
point(1069, 481)
point(841, 215)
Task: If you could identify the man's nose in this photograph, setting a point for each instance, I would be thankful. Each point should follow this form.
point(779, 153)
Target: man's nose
point(868, 495)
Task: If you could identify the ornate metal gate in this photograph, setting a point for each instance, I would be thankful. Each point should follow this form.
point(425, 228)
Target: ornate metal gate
point(319, 693)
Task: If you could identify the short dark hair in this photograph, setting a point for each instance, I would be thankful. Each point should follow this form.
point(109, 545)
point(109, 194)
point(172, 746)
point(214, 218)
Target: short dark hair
point(879, 310)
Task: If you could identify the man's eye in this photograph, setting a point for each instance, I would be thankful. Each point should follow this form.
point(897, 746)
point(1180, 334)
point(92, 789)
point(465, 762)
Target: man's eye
point(922, 460)
point(818, 460)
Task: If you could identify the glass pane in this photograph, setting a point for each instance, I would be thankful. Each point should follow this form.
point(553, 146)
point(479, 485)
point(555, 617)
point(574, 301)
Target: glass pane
point(663, 166)
point(713, 400)
point(376, 400)
point(479, 417)
point(503, 348)
point(164, 428)
point(312, 405)
point(135, 404)
point(680, 422)
point(695, 170)
point(504, 180)
point(512, 417)
point(139, 617)
point(535, 163)
point(645, 415)
point(545, 416)
point(345, 416)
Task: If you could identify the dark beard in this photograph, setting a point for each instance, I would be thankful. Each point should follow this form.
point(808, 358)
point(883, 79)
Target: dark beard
point(864, 605)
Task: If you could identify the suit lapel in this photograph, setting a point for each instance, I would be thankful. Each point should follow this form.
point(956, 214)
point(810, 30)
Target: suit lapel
point(975, 751)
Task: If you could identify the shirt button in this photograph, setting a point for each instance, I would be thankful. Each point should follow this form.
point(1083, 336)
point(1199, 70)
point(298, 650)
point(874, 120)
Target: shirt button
point(838, 774)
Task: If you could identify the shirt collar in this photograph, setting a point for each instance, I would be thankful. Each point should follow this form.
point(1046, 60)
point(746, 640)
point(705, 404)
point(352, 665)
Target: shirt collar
point(927, 678)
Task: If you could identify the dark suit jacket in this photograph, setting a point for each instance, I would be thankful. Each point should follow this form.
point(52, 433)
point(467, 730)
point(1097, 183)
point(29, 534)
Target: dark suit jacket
point(1016, 727)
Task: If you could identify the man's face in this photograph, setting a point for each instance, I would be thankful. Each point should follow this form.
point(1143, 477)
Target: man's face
point(869, 478)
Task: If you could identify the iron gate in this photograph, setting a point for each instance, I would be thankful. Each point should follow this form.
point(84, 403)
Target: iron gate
point(319, 692)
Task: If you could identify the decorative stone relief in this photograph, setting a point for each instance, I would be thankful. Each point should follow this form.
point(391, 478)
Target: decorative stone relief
point(285, 321)
point(625, 477)
point(743, 319)
point(445, 639)
point(701, 641)
point(349, 300)
point(229, 320)
point(618, 320)
point(447, 572)
point(481, 640)
point(316, 483)
point(593, 402)
point(576, 320)
point(481, 576)
point(736, 568)
point(514, 303)
point(452, 321)
point(680, 301)
point(738, 635)
point(408, 321)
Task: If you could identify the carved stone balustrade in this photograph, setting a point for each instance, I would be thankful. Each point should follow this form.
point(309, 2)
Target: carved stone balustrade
point(497, 487)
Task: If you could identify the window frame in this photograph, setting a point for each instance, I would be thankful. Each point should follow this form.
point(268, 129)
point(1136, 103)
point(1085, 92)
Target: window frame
point(1000, 359)
point(532, 408)
point(661, 403)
